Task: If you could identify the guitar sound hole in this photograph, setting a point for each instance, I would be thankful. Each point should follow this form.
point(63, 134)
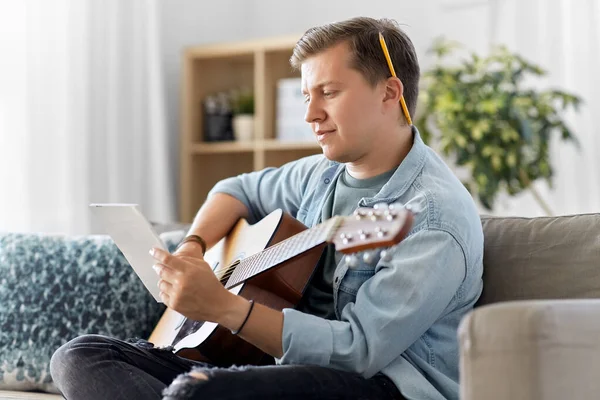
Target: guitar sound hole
point(189, 327)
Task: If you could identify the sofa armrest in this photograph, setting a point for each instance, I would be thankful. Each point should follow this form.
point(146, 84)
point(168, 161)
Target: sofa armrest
point(531, 350)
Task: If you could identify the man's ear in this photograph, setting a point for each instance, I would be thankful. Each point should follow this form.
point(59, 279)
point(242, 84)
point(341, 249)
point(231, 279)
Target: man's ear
point(393, 90)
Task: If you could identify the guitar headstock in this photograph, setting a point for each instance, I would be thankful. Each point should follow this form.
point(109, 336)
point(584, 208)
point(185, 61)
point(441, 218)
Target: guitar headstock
point(370, 228)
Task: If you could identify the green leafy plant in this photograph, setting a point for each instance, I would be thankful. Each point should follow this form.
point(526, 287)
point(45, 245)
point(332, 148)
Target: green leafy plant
point(243, 102)
point(482, 113)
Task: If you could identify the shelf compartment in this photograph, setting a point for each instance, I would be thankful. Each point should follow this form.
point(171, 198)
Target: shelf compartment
point(274, 144)
point(222, 147)
point(208, 76)
point(276, 158)
point(205, 171)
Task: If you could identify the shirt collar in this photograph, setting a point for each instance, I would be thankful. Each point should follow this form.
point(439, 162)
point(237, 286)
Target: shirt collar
point(404, 176)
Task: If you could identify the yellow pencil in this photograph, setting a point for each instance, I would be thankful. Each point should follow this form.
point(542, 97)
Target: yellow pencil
point(389, 61)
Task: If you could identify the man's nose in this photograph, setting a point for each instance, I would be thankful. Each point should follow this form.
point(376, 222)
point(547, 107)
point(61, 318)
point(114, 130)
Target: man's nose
point(314, 112)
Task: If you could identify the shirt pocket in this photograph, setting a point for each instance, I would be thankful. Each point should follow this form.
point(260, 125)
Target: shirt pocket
point(301, 215)
point(351, 282)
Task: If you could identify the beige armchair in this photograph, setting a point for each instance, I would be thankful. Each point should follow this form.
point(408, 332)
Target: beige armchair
point(536, 332)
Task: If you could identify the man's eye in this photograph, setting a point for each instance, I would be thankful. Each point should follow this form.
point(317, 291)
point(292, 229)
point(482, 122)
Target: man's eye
point(327, 94)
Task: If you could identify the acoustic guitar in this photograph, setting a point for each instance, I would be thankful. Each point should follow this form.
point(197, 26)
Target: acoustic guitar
point(271, 262)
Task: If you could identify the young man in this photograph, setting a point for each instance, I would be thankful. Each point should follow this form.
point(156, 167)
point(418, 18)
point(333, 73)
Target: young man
point(382, 330)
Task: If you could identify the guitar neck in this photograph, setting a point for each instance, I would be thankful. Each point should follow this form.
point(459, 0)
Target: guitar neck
point(278, 253)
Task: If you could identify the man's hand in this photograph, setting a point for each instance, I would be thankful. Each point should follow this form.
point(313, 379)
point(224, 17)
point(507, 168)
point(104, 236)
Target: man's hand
point(189, 286)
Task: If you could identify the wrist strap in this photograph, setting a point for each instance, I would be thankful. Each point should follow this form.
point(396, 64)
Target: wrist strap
point(193, 238)
point(245, 319)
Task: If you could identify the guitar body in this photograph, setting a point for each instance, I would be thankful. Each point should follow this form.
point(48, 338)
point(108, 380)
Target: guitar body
point(279, 287)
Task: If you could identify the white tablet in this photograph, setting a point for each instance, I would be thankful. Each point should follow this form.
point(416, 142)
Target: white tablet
point(134, 236)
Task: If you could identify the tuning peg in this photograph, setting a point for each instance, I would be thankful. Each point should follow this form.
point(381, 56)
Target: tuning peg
point(380, 232)
point(359, 213)
point(380, 206)
point(396, 206)
point(351, 261)
point(346, 238)
point(385, 255)
point(414, 208)
point(368, 257)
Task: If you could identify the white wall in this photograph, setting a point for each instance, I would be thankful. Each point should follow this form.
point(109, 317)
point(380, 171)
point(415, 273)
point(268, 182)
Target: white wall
point(191, 22)
point(186, 23)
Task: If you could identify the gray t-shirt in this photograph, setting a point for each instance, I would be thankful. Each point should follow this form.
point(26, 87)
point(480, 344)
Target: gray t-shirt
point(343, 200)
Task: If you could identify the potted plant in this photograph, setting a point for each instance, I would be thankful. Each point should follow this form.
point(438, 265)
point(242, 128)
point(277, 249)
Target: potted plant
point(483, 115)
point(243, 115)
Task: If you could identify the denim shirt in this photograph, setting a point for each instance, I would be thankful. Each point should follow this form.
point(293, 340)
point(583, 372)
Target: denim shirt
point(396, 317)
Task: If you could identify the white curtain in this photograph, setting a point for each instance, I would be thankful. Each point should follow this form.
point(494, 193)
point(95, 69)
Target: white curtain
point(82, 117)
point(563, 36)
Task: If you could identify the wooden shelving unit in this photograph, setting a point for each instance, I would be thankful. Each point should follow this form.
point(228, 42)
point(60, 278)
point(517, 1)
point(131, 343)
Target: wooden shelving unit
point(209, 69)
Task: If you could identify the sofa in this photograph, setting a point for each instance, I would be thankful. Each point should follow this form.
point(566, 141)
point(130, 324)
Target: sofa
point(535, 333)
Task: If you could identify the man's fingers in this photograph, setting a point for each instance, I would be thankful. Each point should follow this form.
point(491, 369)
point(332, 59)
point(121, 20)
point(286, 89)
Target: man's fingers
point(164, 272)
point(165, 298)
point(164, 286)
point(178, 263)
point(166, 258)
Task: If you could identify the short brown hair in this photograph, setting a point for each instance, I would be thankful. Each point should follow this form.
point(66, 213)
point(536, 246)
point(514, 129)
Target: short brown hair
point(362, 34)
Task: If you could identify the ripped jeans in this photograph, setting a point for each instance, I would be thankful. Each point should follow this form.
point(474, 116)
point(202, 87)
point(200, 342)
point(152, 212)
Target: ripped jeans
point(97, 367)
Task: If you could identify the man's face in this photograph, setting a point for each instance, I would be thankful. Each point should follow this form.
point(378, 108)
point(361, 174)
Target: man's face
point(343, 109)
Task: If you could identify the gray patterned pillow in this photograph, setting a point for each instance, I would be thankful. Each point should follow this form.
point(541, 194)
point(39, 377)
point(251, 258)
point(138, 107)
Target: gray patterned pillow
point(54, 288)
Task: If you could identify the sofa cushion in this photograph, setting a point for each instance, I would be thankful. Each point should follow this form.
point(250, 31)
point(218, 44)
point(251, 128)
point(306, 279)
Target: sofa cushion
point(531, 350)
point(541, 258)
point(10, 395)
point(54, 288)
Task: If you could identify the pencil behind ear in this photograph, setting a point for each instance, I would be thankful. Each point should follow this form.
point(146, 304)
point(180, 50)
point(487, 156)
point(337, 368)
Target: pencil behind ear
point(393, 72)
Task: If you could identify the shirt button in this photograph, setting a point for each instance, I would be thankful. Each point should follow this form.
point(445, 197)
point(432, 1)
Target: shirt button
point(327, 180)
point(337, 279)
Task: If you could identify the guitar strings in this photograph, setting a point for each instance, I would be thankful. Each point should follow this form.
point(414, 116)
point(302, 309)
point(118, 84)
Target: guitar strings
point(314, 232)
point(228, 271)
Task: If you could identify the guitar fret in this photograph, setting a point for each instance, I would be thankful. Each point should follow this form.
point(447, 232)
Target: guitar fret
point(279, 255)
point(269, 256)
point(254, 266)
point(249, 264)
